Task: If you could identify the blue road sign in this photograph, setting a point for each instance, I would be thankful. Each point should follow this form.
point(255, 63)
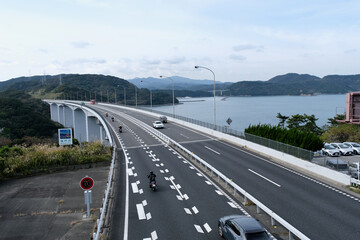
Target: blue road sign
point(65, 136)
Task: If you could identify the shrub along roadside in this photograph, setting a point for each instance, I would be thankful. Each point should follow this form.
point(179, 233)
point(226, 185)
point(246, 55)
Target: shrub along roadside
point(20, 161)
point(302, 139)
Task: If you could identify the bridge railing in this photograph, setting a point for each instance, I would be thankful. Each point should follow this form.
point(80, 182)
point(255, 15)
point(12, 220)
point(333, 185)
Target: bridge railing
point(236, 189)
point(282, 147)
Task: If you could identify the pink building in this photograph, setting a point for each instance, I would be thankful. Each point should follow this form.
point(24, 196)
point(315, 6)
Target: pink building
point(353, 108)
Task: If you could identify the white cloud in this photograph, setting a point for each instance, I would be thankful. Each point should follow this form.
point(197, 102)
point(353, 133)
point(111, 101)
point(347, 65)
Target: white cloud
point(237, 57)
point(80, 44)
point(243, 47)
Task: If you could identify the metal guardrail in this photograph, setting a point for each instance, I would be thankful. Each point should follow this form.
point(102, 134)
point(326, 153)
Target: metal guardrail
point(104, 208)
point(282, 147)
point(274, 217)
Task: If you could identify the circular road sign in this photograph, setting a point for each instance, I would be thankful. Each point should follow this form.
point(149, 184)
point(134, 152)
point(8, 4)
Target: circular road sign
point(87, 183)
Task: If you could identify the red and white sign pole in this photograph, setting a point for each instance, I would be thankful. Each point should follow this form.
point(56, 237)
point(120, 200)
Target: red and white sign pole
point(86, 184)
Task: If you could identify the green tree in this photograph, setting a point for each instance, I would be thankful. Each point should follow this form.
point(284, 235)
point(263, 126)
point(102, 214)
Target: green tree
point(282, 120)
point(342, 133)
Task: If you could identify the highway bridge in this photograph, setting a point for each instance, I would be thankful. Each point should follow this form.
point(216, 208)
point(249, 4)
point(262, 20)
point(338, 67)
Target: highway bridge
point(189, 202)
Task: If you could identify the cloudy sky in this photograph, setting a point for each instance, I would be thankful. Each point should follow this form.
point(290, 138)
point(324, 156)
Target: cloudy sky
point(238, 39)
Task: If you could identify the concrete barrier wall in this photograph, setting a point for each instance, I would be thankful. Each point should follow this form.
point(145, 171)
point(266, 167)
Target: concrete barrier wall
point(315, 169)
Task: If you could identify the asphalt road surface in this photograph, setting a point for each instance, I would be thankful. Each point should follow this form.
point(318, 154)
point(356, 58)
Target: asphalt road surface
point(318, 210)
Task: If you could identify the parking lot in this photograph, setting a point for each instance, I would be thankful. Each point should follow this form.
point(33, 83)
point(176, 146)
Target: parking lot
point(326, 161)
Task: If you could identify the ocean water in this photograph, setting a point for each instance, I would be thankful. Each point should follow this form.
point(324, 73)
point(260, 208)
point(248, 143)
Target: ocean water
point(245, 111)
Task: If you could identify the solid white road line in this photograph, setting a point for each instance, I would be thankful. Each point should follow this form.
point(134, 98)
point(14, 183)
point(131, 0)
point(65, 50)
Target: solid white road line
point(212, 150)
point(278, 185)
point(184, 135)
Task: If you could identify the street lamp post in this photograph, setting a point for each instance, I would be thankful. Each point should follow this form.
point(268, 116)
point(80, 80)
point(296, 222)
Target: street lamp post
point(135, 96)
point(172, 94)
point(214, 94)
point(115, 96)
point(150, 98)
point(124, 96)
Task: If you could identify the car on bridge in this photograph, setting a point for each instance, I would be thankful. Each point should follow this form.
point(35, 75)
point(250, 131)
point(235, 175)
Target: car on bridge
point(241, 227)
point(163, 119)
point(158, 124)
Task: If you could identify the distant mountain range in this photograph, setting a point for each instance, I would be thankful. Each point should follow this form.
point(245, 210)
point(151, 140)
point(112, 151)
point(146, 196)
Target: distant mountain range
point(297, 84)
point(105, 87)
point(180, 83)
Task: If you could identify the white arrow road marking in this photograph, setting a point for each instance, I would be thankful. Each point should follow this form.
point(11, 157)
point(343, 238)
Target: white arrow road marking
point(154, 235)
point(207, 227)
point(212, 150)
point(196, 211)
point(135, 187)
point(187, 211)
point(181, 196)
point(278, 185)
point(140, 211)
point(198, 228)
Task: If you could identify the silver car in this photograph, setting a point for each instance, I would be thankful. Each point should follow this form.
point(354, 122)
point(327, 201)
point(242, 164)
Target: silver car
point(355, 147)
point(158, 124)
point(330, 150)
point(344, 149)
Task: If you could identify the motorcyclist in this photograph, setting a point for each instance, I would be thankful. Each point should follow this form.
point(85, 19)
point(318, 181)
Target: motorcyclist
point(120, 128)
point(152, 178)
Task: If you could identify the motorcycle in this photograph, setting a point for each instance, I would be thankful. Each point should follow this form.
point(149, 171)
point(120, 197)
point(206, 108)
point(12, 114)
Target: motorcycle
point(153, 185)
point(106, 114)
point(120, 130)
point(112, 119)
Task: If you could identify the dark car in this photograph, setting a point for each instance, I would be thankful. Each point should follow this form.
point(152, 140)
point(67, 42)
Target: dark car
point(241, 227)
point(163, 119)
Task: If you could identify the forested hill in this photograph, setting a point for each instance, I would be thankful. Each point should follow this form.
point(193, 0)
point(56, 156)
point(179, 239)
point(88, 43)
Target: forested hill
point(297, 84)
point(24, 118)
point(84, 87)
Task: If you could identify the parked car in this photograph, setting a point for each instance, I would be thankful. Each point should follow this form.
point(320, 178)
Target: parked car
point(344, 149)
point(354, 169)
point(163, 119)
point(337, 164)
point(241, 227)
point(158, 124)
point(330, 150)
point(355, 147)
